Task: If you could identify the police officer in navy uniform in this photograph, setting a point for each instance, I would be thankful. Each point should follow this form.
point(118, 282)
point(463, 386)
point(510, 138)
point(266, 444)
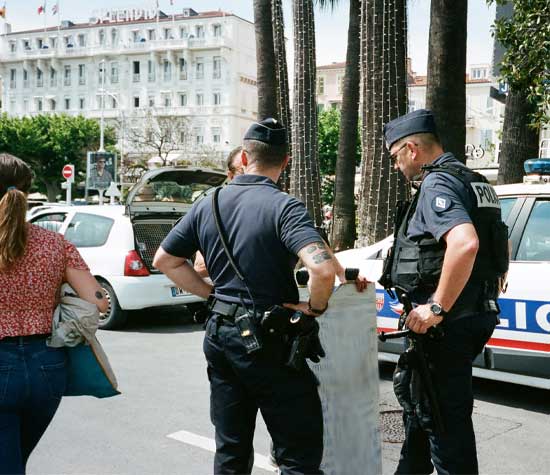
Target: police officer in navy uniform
point(267, 231)
point(444, 256)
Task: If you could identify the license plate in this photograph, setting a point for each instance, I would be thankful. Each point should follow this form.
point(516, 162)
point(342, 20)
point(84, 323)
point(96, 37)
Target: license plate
point(177, 292)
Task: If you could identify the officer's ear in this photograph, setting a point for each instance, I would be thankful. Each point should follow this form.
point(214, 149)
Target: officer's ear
point(244, 158)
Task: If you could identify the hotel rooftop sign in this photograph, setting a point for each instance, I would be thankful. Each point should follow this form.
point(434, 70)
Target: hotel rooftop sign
point(121, 15)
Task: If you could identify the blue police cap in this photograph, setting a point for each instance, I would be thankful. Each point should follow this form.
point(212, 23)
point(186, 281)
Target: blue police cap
point(268, 131)
point(417, 122)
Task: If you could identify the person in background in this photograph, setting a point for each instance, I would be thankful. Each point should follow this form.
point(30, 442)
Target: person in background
point(34, 263)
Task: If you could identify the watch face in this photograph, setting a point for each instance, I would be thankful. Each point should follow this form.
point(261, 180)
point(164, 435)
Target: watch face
point(436, 308)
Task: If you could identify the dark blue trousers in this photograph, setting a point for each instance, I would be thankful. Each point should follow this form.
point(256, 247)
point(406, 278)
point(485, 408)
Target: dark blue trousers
point(454, 452)
point(32, 380)
point(242, 383)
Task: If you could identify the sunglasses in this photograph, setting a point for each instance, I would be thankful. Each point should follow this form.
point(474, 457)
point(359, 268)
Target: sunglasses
point(393, 155)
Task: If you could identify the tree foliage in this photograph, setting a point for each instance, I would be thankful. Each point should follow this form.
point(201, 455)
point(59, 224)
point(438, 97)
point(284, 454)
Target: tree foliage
point(329, 133)
point(48, 142)
point(526, 63)
point(157, 135)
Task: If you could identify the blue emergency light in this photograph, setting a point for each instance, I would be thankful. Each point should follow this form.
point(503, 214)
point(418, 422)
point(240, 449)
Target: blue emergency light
point(537, 166)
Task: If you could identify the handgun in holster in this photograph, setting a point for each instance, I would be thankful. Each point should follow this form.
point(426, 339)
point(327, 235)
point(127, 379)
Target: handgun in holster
point(298, 331)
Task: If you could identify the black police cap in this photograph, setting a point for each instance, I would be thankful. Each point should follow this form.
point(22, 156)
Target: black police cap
point(268, 131)
point(417, 122)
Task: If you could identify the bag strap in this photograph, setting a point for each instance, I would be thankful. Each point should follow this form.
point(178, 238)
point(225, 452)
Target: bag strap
point(221, 233)
point(225, 245)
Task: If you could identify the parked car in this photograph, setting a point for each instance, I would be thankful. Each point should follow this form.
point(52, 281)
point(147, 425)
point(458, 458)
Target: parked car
point(119, 242)
point(519, 350)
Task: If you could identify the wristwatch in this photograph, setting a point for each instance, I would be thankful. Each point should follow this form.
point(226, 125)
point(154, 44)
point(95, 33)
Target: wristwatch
point(437, 309)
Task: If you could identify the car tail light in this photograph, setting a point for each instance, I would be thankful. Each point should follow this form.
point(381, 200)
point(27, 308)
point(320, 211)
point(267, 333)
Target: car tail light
point(134, 266)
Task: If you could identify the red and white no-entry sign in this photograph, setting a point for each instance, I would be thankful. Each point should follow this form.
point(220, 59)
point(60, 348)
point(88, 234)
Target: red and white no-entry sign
point(68, 172)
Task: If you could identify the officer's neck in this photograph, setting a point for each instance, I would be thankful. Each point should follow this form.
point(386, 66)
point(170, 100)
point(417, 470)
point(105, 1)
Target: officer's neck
point(270, 172)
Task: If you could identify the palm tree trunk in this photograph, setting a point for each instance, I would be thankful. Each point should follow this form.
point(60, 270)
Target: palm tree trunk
point(281, 72)
point(519, 140)
point(343, 230)
point(383, 56)
point(305, 183)
point(446, 83)
point(265, 58)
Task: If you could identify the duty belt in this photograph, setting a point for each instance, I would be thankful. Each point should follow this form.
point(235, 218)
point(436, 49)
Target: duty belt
point(227, 310)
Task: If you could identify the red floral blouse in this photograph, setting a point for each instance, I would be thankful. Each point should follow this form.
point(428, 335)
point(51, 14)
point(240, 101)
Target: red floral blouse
point(29, 290)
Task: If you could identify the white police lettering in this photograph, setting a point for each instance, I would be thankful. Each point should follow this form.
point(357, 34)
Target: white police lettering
point(542, 314)
point(486, 195)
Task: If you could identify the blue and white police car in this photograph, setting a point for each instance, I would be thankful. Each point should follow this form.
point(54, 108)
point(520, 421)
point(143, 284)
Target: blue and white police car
point(519, 350)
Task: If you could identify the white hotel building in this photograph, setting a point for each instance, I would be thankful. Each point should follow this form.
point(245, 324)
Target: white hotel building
point(198, 65)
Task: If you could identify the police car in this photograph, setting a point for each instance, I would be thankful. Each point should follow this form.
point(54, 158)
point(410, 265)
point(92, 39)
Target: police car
point(519, 350)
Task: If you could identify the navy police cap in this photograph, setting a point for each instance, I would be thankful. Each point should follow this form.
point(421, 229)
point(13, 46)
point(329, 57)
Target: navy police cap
point(417, 122)
point(268, 131)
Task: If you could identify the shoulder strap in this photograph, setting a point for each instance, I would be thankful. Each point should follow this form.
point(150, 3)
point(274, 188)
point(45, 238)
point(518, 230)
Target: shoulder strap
point(221, 234)
point(458, 172)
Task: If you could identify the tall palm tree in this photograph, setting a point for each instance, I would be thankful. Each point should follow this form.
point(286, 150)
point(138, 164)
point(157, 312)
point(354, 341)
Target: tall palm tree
point(446, 86)
point(281, 73)
point(305, 183)
point(265, 55)
point(520, 141)
point(383, 82)
point(343, 228)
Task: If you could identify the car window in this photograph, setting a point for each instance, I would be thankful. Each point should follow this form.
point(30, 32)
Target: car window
point(88, 230)
point(506, 205)
point(535, 242)
point(51, 221)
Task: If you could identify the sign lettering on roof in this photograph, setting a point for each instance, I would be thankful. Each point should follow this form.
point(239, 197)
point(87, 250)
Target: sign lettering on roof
point(118, 15)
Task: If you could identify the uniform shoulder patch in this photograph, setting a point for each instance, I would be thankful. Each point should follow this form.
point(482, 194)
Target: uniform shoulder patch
point(441, 203)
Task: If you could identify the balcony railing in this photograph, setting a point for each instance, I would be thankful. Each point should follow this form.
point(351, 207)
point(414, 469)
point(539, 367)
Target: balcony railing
point(136, 77)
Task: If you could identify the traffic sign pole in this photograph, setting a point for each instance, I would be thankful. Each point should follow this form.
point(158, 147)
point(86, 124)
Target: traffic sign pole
point(68, 173)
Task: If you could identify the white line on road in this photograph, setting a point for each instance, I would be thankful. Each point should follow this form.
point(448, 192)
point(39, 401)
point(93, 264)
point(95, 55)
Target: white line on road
point(260, 461)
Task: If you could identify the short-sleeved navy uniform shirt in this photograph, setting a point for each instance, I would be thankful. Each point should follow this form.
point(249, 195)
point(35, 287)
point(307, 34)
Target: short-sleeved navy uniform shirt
point(444, 202)
point(265, 229)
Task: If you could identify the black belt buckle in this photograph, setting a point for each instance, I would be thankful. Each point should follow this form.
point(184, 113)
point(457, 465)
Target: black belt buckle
point(246, 326)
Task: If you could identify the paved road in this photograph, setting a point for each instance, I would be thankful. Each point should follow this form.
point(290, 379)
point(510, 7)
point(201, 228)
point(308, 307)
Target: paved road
point(161, 371)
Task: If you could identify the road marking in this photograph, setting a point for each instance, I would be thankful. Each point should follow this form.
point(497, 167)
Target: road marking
point(260, 461)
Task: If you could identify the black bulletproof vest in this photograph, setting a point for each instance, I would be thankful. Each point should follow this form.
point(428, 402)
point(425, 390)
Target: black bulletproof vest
point(417, 264)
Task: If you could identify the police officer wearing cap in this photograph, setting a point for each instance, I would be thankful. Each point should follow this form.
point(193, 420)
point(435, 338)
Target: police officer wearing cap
point(266, 231)
point(449, 252)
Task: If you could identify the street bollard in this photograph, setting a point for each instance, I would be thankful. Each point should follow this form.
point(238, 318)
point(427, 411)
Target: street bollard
point(348, 377)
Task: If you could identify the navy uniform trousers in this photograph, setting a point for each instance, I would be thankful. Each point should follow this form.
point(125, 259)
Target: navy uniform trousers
point(454, 452)
point(242, 383)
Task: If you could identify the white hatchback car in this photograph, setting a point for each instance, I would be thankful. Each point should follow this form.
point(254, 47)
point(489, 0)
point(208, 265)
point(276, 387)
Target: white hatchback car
point(519, 350)
point(119, 242)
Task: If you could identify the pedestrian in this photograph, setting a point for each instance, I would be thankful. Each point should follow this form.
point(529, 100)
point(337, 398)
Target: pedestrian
point(449, 253)
point(234, 168)
point(266, 231)
point(34, 263)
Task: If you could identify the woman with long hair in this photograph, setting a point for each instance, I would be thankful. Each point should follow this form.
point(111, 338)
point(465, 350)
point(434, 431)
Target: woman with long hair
point(34, 263)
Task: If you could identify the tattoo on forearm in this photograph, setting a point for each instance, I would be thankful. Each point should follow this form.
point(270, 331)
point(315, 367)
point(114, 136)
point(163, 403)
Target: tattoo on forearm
point(321, 257)
point(314, 247)
point(99, 295)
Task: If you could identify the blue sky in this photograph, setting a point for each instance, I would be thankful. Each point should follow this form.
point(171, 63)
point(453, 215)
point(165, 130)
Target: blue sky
point(331, 26)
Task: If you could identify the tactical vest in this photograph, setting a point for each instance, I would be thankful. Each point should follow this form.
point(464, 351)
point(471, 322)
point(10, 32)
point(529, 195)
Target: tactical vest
point(416, 264)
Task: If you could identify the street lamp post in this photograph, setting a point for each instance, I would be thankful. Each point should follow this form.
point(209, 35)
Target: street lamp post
point(102, 116)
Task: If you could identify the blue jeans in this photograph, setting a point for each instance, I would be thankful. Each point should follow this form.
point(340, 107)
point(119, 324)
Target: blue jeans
point(33, 377)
